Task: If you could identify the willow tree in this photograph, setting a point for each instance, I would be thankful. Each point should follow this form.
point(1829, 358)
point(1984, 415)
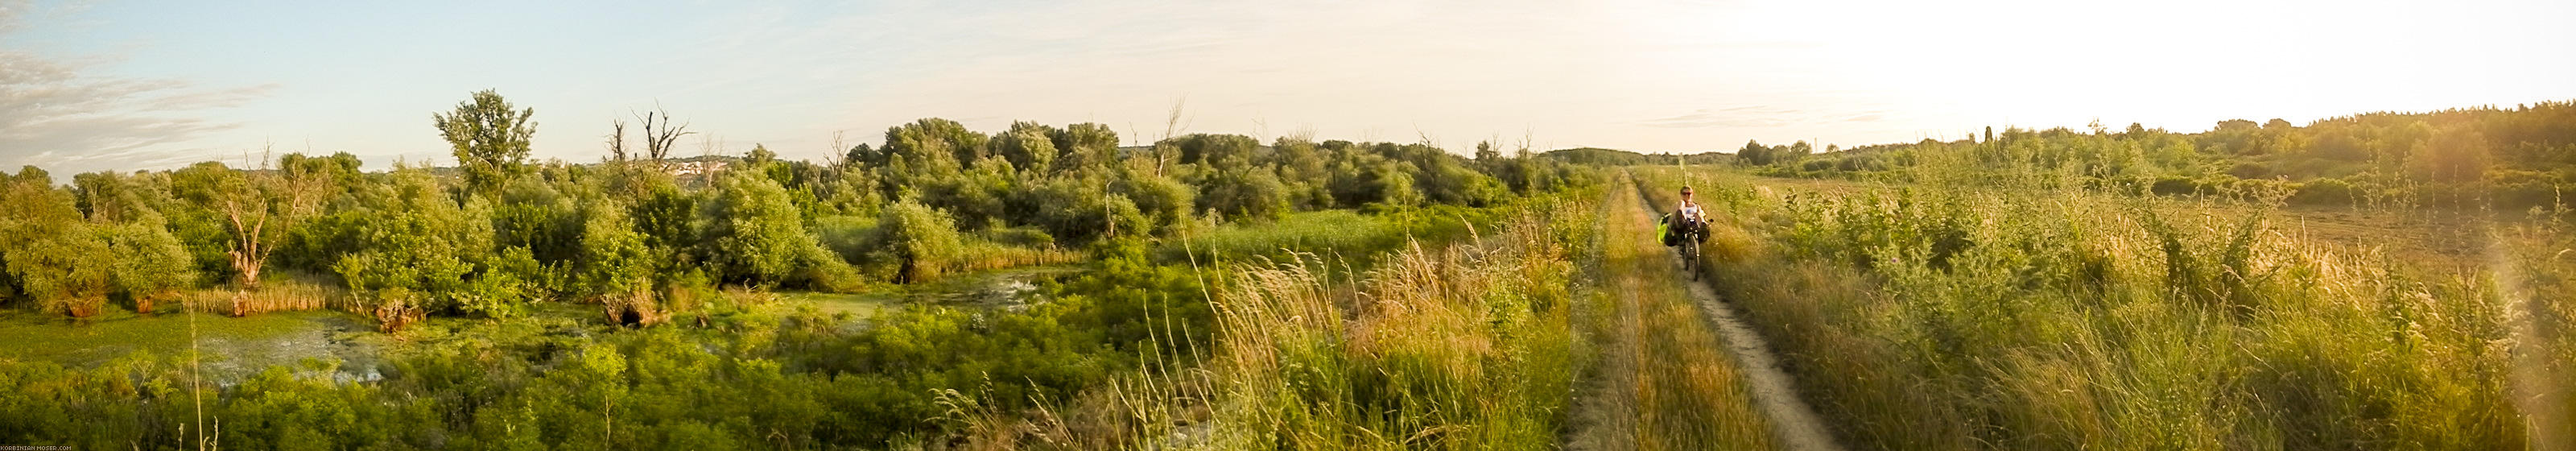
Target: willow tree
point(52, 255)
point(256, 207)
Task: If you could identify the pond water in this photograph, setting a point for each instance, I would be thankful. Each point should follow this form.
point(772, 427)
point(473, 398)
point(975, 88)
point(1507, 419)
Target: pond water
point(229, 346)
point(1009, 289)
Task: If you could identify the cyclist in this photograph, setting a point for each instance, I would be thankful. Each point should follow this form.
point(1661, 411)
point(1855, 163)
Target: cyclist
point(1689, 227)
point(1694, 222)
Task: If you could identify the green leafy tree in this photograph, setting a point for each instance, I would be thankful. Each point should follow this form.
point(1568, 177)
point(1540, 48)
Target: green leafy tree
point(1243, 192)
point(1029, 146)
point(151, 264)
point(1165, 202)
point(1085, 147)
point(256, 210)
point(932, 144)
point(1215, 150)
point(54, 256)
point(755, 234)
point(489, 137)
point(614, 260)
point(422, 249)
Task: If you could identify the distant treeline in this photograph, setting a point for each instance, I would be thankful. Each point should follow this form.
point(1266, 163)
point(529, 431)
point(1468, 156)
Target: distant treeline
point(1615, 157)
point(2508, 159)
point(637, 230)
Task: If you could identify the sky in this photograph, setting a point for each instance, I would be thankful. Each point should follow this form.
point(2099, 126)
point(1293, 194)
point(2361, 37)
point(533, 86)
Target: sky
point(123, 85)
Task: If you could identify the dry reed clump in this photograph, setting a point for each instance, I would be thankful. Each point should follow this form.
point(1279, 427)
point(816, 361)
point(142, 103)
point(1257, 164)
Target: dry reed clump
point(640, 307)
point(397, 309)
point(84, 306)
point(275, 295)
point(146, 303)
point(983, 256)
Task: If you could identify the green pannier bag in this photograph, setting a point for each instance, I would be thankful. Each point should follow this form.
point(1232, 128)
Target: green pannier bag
point(1664, 230)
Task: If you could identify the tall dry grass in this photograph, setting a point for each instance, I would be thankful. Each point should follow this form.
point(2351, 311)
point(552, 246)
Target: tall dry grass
point(1467, 347)
point(277, 294)
point(979, 255)
point(1938, 317)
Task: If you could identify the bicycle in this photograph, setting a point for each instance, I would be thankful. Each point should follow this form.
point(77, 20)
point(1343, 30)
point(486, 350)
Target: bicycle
point(1691, 237)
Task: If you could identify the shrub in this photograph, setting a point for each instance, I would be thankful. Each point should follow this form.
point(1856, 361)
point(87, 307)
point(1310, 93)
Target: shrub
point(2334, 192)
point(754, 233)
point(151, 265)
point(915, 239)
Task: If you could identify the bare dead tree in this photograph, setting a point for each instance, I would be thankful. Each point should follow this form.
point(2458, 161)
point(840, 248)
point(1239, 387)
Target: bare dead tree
point(839, 155)
point(1171, 126)
point(659, 134)
point(1527, 135)
point(266, 197)
point(617, 140)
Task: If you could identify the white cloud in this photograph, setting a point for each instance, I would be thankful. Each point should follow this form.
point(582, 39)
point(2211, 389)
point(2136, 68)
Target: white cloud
point(54, 115)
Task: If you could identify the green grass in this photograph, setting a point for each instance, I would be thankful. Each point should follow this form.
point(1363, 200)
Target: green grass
point(244, 344)
point(1339, 236)
point(1323, 232)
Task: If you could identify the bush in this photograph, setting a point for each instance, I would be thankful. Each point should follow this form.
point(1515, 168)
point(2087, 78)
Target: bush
point(2174, 185)
point(914, 240)
point(2334, 192)
point(151, 265)
point(2515, 191)
point(850, 237)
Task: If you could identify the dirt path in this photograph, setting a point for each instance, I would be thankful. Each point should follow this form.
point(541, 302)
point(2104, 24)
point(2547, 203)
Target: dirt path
point(1773, 390)
point(1792, 420)
point(1672, 374)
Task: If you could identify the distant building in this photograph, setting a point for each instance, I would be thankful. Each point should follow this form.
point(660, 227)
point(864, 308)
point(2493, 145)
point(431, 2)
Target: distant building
point(696, 168)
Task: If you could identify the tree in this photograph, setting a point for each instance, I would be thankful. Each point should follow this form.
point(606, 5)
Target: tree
point(1085, 146)
point(257, 209)
point(616, 266)
point(489, 137)
point(421, 251)
point(1241, 192)
point(67, 267)
point(755, 235)
point(1214, 150)
point(51, 254)
point(1164, 201)
point(151, 265)
point(934, 143)
point(659, 136)
point(1029, 146)
point(1755, 153)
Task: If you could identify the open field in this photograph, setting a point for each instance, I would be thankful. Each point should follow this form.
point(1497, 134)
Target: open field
point(2430, 240)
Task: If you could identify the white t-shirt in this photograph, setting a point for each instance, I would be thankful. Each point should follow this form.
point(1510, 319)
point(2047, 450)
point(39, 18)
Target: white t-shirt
point(1690, 212)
